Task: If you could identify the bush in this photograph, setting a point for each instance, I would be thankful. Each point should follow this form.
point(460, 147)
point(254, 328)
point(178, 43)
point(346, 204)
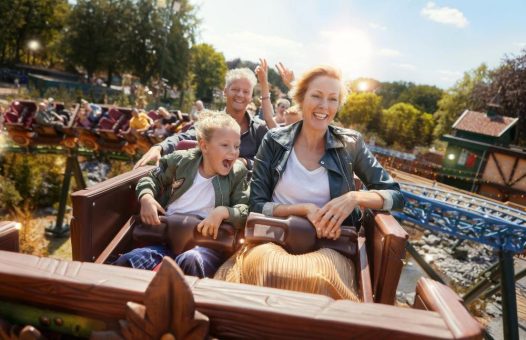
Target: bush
point(9, 196)
point(36, 178)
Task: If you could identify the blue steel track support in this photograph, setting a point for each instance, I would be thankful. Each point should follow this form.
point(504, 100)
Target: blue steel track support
point(482, 221)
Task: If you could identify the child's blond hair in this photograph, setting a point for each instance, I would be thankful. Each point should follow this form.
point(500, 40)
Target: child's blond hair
point(209, 121)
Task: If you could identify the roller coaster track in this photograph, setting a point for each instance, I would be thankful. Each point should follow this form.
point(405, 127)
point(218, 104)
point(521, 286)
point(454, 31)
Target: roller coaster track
point(465, 217)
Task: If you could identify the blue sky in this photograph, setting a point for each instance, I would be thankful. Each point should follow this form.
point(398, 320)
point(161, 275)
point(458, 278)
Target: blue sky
point(427, 42)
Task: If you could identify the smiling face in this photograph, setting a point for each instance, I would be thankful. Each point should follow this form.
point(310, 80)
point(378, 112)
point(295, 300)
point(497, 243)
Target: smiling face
point(321, 102)
point(220, 151)
point(238, 95)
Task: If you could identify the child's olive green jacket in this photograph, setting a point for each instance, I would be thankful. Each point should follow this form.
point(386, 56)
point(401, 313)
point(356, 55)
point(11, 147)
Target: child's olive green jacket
point(175, 175)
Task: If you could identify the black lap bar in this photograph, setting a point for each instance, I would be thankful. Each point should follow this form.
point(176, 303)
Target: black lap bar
point(297, 235)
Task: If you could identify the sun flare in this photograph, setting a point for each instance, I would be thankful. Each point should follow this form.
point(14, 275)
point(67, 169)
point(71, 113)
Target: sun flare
point(350, 50)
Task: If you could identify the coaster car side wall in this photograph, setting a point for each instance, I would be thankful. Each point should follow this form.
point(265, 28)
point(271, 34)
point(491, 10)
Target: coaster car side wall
point(99, 228)
point(9, 238)
point(103, 295)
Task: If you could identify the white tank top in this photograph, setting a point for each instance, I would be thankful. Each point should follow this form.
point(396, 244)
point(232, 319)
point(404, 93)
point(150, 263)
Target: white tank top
point(198, 200)
point(299, 185)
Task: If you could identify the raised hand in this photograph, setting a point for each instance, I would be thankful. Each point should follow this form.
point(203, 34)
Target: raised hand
point(286, 75)
point(262, 72)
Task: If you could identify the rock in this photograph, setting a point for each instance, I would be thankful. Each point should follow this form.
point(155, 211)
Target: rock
point(432, 240)
point(461, 253)
point(493, 309)
point(426, 249)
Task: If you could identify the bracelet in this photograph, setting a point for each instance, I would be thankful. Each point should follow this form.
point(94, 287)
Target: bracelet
point(264, 97)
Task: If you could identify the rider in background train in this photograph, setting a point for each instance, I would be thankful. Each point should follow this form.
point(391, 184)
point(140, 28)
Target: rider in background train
point(93, 111)
point(45, 116)
point(208, 181)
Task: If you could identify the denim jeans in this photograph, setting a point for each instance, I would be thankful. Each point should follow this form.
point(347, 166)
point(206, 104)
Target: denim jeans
point(198, 261)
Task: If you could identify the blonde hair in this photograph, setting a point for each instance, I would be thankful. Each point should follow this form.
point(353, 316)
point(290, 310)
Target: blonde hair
point(209, 121)
point(302, 84)
point(240, 73)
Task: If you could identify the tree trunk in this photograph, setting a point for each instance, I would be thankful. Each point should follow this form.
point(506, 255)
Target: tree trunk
point(110, 75)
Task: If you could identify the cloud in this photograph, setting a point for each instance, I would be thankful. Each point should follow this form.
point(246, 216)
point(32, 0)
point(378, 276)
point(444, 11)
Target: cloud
point(252, 46)
point(405, 66)
point(444, 15)
point(520, 44)
point(388, 52)
point(449, 76)
point(377, 26)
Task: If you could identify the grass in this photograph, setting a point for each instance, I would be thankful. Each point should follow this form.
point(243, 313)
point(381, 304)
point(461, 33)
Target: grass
point(33, 238)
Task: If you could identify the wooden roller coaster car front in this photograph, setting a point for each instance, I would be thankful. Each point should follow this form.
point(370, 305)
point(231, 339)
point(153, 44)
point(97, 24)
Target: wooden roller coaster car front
point(167, 302)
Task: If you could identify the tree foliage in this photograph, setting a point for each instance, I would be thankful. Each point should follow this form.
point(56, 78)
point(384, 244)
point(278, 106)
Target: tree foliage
point(209, 69)
point(391, 91)
point(25, 20)
point(273, 76)
point(407, 126)
point(424, 97)
point(459, 98)
point(360, 109)
point(507, 88)
point(95, 34)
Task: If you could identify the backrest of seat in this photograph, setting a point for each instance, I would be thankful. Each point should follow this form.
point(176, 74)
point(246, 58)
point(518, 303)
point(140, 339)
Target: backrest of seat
point(186, 144)
point(11, 114)
point(114, 113)
point(100, 211)
point(386, 241)
point(106, 123)
point(28, 109)
point(154, 115)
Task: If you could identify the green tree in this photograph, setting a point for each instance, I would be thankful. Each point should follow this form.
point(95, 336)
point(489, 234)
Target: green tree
point(360, 109)
point(209, 69)
point(391, 91)
point(424, 97)
point(183, 30)
point(407, 126)
point(84, 41)
point(145, 45)
point(459, 98)
point(273, 77)
point(25, 20)
point(507, 88)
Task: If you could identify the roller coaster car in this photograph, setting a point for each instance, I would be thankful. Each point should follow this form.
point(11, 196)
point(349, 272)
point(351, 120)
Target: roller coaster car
point(18, 118)
point(101, 228)
point(103, 225)
point(109, 127)
point(49, 135)
point(89, 299)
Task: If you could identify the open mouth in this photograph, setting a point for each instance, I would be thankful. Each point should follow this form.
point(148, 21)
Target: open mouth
point(320, 116)
point(227, 163)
